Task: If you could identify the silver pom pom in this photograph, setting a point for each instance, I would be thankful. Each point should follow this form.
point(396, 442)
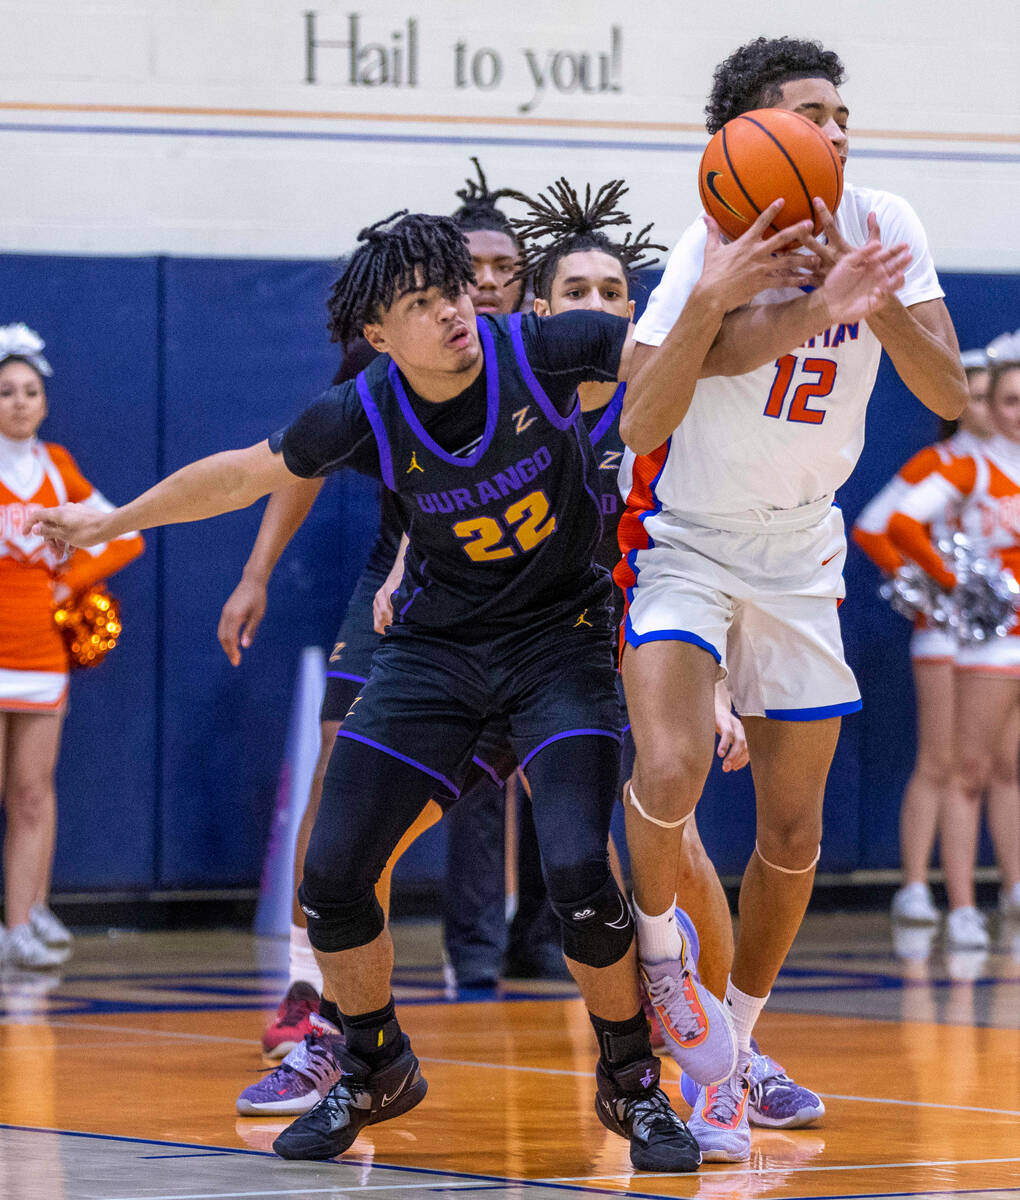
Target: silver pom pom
point(983, 604)
point(911, 592)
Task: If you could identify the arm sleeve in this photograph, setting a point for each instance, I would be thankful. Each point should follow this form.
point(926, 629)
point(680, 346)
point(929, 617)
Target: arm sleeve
point(572, 348)
point(329, 435)
point(666, 303)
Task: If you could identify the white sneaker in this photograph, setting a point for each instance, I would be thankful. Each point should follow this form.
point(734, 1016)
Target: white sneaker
point(1009, 902)
point(48, 927)
point(965, 930)
point(719, 1120)
point(24, 949)
point(913, 905)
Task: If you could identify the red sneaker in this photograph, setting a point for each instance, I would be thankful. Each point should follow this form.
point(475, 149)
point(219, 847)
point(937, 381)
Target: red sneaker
point(292, 1020)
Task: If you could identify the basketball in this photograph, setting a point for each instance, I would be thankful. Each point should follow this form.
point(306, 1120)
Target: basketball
point(762, 156)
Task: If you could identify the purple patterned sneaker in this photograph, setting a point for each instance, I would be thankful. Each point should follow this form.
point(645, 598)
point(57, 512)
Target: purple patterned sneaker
point(300, 1081)
point(698, 1031)
point(775, 1101)
point(719, 1120)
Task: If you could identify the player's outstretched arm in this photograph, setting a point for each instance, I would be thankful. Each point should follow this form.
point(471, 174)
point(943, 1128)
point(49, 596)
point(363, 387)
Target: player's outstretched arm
point(661, 380)
point(217, 484)
point(246, 606)
point(921, 341)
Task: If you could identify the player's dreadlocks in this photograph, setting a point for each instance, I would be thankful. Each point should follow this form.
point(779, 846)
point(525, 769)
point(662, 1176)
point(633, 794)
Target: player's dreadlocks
point(752, 76)
point(572, 226)
point(478, 208)
point(419, 251)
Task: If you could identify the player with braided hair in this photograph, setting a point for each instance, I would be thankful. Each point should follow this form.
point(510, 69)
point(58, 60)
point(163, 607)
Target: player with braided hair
point(476, 934)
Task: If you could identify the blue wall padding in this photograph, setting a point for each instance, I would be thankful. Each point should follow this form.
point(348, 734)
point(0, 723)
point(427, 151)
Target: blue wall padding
point(171, 756)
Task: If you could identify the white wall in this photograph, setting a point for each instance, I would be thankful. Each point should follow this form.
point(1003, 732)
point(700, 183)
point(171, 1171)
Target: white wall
point(134, 126)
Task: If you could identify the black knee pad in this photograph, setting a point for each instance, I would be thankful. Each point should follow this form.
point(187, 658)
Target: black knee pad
point(343, 925)
point(597, 930)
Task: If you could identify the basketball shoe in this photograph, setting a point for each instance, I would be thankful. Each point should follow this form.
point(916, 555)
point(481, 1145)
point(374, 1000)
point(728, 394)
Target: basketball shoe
point(48, 927)
point(302, 1079)
point(292, 1020)
point(774, 1101)
point(697, 1029)
point(719, 1118)
point(630, 1102)
point(360, 1097)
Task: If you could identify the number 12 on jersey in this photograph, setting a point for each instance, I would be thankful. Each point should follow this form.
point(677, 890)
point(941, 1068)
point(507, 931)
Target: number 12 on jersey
point(824, 370)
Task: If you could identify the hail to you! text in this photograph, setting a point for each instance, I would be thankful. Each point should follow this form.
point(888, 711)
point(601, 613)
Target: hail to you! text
point(361, 54)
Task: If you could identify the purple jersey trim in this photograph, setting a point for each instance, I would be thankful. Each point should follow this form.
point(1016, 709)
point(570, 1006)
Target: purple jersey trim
point(491, 405)
point(411, 762)
point(609, 416)
point(558, 737)
point(493, 775)
point(536, 389)
point(344, 675)
point(379, 430)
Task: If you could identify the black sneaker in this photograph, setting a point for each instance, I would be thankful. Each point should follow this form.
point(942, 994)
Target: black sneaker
point(631, 1103)
point(361, 1097)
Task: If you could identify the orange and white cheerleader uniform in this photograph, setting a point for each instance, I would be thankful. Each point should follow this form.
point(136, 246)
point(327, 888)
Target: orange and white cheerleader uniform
point(33, 658)
point(983, 487)
point(871, 533)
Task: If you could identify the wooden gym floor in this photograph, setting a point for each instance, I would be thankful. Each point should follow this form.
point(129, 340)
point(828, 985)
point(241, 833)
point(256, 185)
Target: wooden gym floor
point(118, 1079)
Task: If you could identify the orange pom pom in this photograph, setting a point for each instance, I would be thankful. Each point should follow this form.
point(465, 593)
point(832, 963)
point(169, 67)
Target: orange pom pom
point(90, 625)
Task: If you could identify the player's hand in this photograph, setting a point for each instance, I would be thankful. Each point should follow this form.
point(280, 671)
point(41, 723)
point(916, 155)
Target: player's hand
point(735, 271)
point(241, 616)
point(67, 525)
point(732, 748)
point(834, 246)
point(382, 607)
point(863, 280)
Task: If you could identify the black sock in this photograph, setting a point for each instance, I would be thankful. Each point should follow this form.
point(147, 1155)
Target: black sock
point(330, 1011)
point(374, 1037)
point(622, 1042)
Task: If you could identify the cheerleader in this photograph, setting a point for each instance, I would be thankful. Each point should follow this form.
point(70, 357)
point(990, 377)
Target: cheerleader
point(932, 654)
point(33, 658)
point(983, 487)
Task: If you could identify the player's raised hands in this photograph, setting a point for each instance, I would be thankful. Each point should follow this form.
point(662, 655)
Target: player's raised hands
point(241, 616)
point(864, 279)
point(68, 525)
point(735, 271)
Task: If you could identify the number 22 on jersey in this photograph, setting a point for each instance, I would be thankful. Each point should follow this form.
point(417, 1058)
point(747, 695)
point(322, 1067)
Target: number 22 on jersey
point(527, 521)
point(824, 372)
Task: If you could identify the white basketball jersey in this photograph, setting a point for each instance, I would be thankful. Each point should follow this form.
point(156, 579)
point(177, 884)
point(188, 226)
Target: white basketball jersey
point(790, 432)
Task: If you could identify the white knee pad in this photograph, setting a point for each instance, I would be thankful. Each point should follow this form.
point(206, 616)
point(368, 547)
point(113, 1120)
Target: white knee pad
point(655, 820)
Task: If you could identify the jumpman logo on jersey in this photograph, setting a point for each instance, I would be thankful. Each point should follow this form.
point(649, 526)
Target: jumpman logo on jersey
point(414, 464)
point(519, 418)
point(582, 620)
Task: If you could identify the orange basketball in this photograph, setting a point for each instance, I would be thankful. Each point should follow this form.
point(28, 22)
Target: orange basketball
point(761, 156)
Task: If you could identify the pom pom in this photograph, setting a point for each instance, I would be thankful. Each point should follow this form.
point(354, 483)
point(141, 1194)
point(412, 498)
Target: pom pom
point(90, 626)
point(911, 592)
point(983, 604)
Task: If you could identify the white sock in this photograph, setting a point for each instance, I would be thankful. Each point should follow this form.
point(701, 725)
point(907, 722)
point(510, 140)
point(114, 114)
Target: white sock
point(302, 959)
point(743, 1010)
point(659, 939)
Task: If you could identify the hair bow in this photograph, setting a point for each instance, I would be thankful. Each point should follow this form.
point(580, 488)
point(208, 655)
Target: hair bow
point(19, 341)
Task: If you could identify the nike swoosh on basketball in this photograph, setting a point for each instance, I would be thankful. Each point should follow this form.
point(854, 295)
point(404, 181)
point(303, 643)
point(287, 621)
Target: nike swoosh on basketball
point(710, 179)
point(403, 1083)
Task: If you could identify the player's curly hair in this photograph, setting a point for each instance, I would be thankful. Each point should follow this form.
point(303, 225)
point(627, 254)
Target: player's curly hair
point(418, 251)
point(478, 206)
point(559, 223)
point(752, 76)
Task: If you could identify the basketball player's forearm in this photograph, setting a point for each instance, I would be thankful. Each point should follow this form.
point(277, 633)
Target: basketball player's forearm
point(761, 333)
point(218, 484)
point(926, 359)
point(285, 514)
point(658, 397)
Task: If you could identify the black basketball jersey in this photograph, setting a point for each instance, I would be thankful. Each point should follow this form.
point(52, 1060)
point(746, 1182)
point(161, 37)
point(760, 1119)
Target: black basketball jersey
point(504, 533)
